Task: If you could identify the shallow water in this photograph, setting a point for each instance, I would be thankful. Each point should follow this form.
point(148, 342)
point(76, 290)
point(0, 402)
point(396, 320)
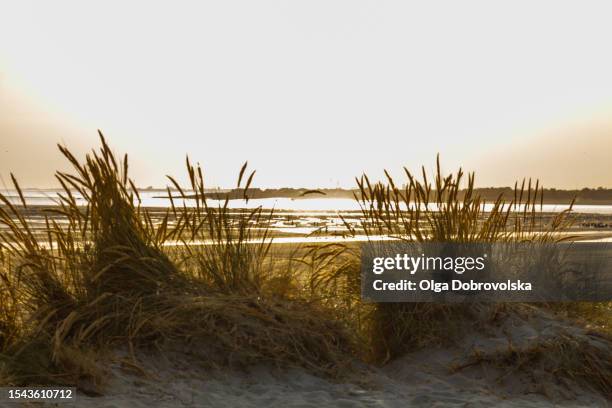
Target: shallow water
point(309, 220)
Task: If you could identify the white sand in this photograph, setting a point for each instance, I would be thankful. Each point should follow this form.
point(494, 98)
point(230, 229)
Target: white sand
point(421, 379)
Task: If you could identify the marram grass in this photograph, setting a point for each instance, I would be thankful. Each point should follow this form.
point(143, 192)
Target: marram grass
point(100, 276)
point(425, 208)
point(102, 280)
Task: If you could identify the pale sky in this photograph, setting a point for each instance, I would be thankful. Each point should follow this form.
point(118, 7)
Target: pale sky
point(312, 93)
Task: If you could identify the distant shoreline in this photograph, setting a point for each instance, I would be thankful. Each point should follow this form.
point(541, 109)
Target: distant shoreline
point(551, 196)
point(586, 196)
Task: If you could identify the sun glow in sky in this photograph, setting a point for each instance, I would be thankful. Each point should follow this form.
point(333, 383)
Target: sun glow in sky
point(312, 93)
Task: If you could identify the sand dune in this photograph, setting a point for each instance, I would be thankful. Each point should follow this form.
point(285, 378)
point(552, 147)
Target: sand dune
point(432, 377)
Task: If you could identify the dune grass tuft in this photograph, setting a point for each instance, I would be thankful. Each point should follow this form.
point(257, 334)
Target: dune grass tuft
point(99, 276)
point(442, 208)
point(225, 248)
